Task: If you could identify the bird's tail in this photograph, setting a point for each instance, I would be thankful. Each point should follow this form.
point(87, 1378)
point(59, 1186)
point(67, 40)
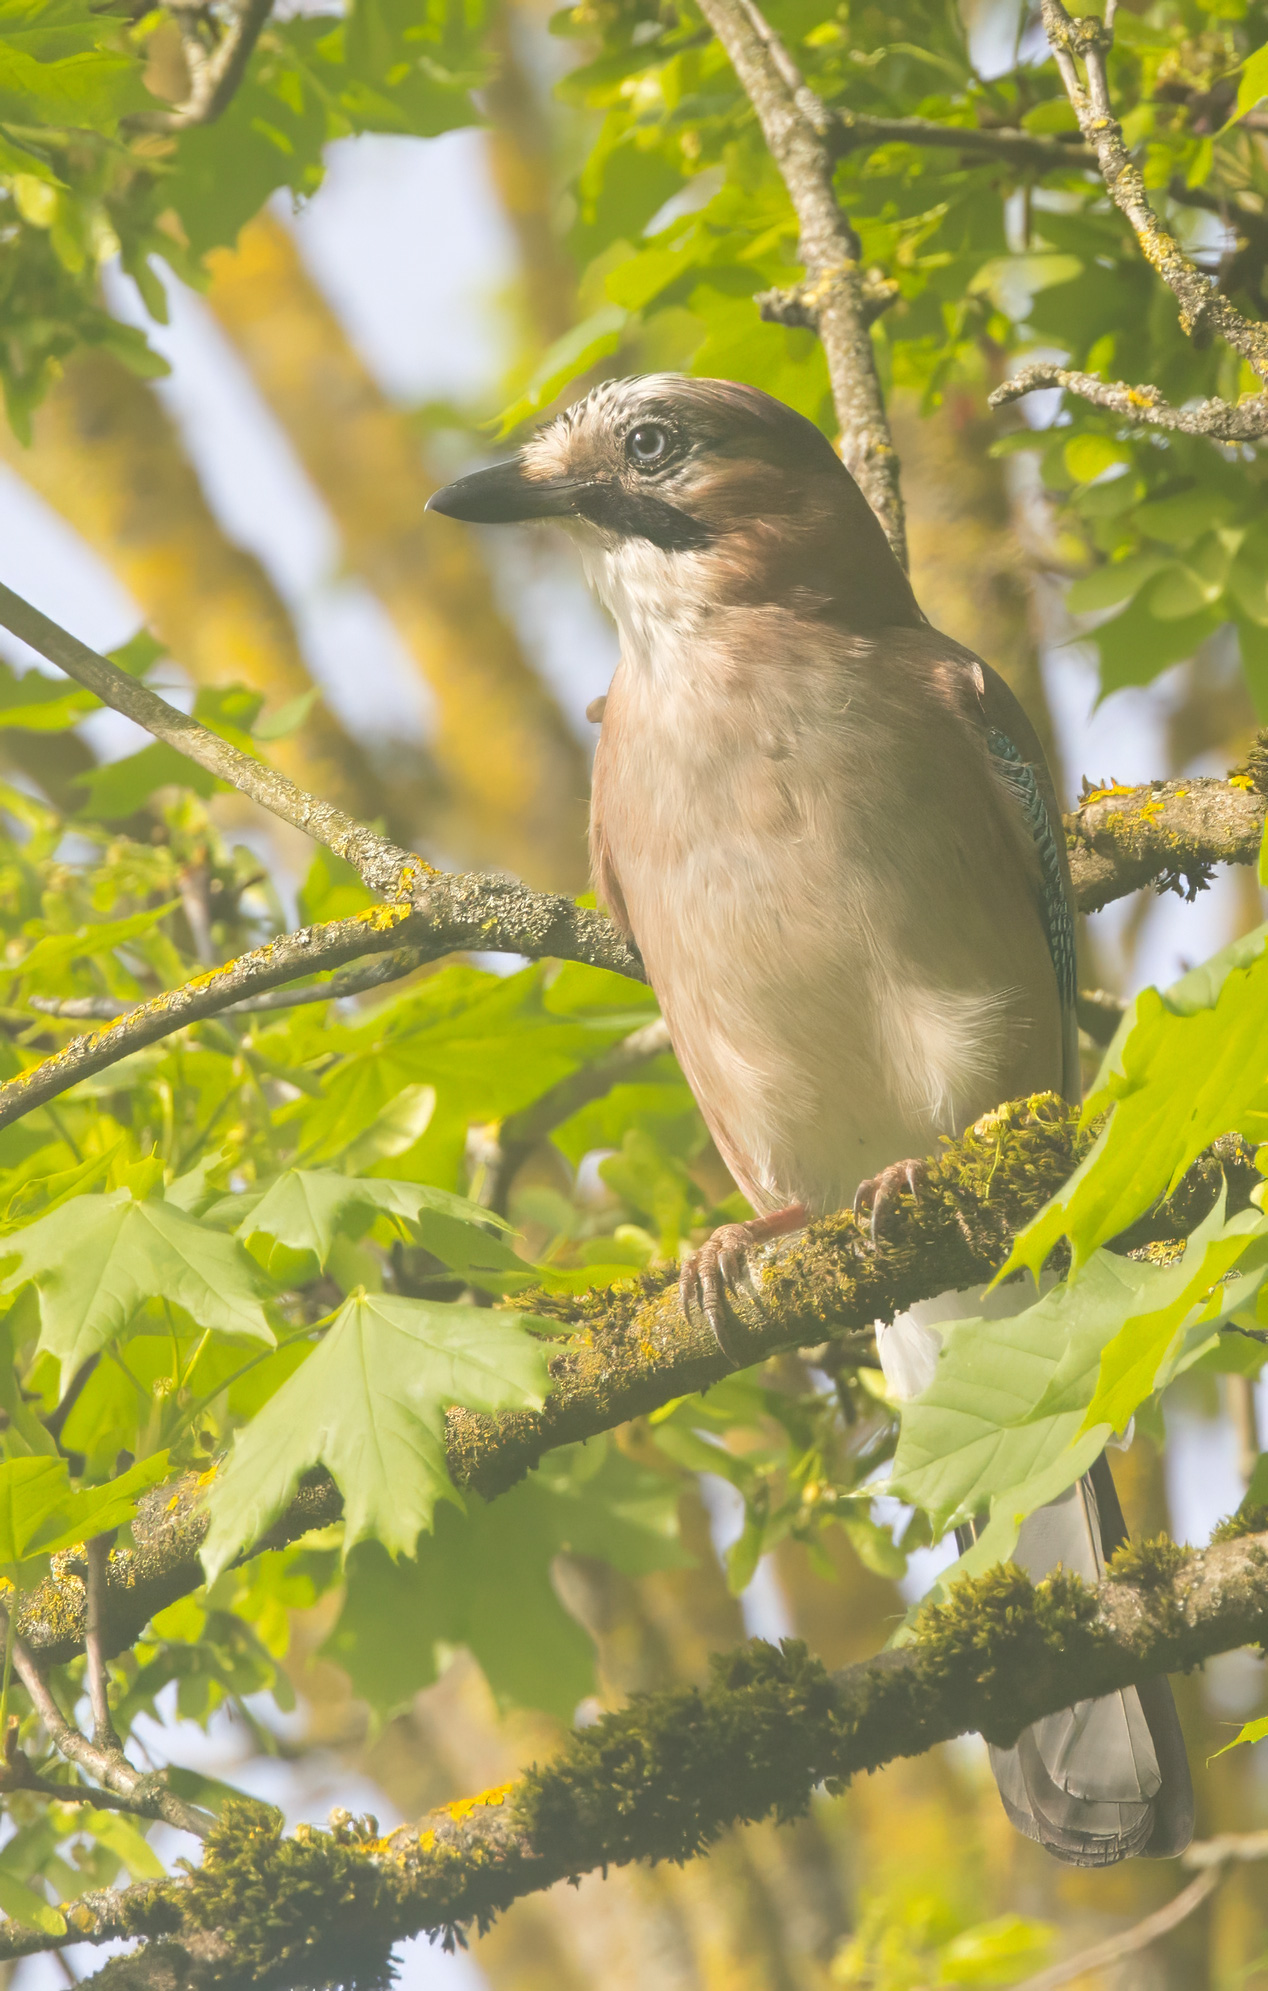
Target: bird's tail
point(1104, 1780)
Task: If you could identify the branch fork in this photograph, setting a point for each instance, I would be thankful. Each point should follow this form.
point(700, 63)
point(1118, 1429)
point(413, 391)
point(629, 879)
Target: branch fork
point(121, 1786)
point(1203, 309)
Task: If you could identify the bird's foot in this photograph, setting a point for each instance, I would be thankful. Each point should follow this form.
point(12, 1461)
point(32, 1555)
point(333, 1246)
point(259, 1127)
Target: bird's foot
point(879, 1193)
point(706, 1274)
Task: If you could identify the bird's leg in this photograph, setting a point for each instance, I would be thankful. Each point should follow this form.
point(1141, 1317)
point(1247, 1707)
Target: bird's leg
point(706, 1274)
point(879, 1193)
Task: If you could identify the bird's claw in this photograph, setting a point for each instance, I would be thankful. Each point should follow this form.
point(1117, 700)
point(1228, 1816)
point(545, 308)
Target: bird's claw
point(722, 1260)
point(879, 1193)
point(706, 1274)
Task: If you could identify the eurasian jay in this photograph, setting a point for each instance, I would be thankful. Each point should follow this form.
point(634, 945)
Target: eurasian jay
point(831, 832)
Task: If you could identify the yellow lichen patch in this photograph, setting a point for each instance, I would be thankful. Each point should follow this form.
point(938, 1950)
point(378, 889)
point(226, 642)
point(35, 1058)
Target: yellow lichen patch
point(462, 1807)
point(381, 919)
point(1245, 781)
point(412, 873)
point(1102, 794)
point(198, 982)
point(1150, 811)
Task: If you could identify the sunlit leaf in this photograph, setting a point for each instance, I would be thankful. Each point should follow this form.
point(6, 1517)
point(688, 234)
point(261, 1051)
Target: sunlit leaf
point(96, 1259)
point(490, 1568)
point(40, 1512)
point(369, 1405)
point(1185, 1066)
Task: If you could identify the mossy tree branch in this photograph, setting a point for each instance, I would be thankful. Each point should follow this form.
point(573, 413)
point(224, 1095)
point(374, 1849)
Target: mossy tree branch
point(633, 1349)
point(662, 1777)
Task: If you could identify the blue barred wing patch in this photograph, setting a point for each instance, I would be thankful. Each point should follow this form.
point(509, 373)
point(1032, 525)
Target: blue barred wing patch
point(1058, 921)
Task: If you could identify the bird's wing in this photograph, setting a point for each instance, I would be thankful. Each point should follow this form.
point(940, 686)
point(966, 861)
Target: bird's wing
point(1019, 764)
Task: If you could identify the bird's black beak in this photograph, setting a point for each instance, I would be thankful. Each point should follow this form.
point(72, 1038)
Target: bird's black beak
point(503, 495)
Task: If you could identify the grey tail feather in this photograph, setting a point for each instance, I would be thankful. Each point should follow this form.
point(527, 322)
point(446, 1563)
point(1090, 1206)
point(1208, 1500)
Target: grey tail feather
point(1105, 1780)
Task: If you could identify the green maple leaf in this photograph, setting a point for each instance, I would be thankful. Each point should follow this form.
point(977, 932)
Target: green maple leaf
point(369, 1404)
point(40, 1512)
point(293, 1226)
point(1185, 1066)
point(95, 1260)
point(486, 1569)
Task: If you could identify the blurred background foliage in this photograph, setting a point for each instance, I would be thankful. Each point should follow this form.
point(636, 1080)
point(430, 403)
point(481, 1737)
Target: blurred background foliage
point(634, 218)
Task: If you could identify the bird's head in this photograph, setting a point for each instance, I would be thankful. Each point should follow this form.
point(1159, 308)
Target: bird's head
point(686, 493)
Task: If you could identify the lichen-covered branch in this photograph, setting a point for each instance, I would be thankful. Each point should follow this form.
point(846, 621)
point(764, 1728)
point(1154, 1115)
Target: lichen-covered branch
point(1202, 307)
point(380, 863)
point(799, 131)
point(633, 1349)
point(1247, 422)
point(661, 1778)
point(1169, 834)
point(1121, 839)
point(446, 913)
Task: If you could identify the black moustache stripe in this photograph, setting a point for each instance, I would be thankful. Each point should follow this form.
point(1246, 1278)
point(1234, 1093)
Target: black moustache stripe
point(641, 515)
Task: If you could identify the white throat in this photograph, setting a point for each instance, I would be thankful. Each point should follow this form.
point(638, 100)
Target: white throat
point(656, 598)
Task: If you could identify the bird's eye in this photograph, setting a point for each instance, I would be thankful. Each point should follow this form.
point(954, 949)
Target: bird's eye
point(647, 446)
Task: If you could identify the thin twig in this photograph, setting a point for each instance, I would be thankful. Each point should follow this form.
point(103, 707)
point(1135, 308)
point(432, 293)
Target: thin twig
point(147, 1796)
point(1202, 307)
point(854, 131)
point(351, 982)
point(1247, 421)
point(104, 1734)
point(521, 1132)
point(1139, 1937)
point(19, 1774)
point(798, 129)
